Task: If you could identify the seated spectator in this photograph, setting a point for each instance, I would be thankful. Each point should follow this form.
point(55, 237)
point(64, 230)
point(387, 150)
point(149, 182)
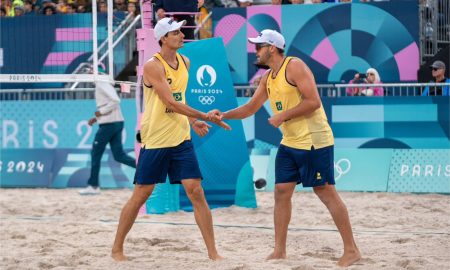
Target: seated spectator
point(28, 7)
point(438, 73)
point(2, 12)
point(120, 5)
point(19, 11)
point(371, 77)
point(50, 10)
point(245, 3)
point(71, 8)
point(102, 7)
point(296, 2)
point(12, 8)
point(61, 7)
point(133, 8)
point(280, 2)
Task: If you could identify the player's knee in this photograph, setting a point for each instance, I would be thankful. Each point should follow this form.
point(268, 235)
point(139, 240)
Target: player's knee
point(282, 193)
point(195, 193)
point(323, 194)
point(140, 196)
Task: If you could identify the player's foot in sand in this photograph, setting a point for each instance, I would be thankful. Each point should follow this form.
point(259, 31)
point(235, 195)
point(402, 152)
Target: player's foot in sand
point(215, 257)
point(276, 256)
point(349, 258)
point(118, 256)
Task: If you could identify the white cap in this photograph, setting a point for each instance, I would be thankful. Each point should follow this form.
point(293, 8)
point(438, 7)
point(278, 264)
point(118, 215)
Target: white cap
point(271, 37)
point(166, 25)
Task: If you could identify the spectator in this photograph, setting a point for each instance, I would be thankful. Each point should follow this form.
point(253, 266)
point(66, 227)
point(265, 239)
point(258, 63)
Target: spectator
point(296, 2)
point(133, 8)
point(50, 10)
point(438, 73)
point(19, 11)
point(12, 8)
point(71, 8)
point(2, 12)
point(245, 3)
point(28, 7)
point(120, 5)
point(280, 2)
point(229, 3)
point(102, 7)
point(81, 8)
point(61, 7)
point(163, 6)
point(371, 77)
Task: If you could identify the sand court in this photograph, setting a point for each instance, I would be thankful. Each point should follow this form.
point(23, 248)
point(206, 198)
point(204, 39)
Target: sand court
point(58, 229)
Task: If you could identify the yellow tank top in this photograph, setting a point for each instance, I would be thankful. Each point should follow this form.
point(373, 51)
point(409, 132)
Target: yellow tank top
point(300, 132)
point(160, 126)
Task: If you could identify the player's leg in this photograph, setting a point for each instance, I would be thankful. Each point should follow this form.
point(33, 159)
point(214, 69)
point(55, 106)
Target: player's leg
point(329, 196)
point(282, 217)
point(128, 216)
point(184, 168)
point(202, 215)
point(322, 161)
point(286, 175)
point(151, 169)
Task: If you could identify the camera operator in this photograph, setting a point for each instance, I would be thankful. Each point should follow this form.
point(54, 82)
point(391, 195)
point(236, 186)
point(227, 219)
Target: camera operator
point(370, 77)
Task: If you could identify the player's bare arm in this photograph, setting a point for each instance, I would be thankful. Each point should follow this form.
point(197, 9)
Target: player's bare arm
point(252, 106)
point(154, 75)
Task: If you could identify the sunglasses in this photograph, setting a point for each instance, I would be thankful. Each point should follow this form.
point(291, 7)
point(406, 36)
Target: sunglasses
point(261, 45)
point(435, 69)
point(370, 74)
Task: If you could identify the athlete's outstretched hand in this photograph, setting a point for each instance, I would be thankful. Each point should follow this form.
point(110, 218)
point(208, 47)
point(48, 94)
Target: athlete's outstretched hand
point(201, 128)
point(215, 116)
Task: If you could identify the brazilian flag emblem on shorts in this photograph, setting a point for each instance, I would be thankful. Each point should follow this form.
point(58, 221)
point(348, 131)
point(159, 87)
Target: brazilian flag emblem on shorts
point(177, 96)
point(279, 106)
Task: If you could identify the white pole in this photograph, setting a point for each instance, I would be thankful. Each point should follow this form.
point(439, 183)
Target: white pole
point(110, 40)
point(94, 39)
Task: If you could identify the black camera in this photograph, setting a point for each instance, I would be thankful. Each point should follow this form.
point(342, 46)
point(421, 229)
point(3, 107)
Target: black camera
point(361, 79)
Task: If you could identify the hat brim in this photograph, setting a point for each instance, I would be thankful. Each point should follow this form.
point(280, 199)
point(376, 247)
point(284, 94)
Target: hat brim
point(256, 40)
point(177, 25)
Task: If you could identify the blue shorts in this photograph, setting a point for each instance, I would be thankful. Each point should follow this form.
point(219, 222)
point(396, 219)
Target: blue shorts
point(179, 162)
point(312, 168)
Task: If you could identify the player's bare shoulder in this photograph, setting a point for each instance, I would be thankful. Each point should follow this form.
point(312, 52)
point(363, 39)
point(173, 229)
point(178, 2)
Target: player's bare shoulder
point(296, 69)
point(295, 64)
point(153, 65)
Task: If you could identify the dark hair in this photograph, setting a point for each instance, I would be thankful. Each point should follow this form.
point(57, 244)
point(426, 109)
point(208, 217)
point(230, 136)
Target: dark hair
point(44, 10)
point(159, 41)
point(281, 51)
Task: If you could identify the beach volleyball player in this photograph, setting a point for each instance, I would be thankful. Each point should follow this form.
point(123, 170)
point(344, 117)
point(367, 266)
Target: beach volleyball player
point(166, 147)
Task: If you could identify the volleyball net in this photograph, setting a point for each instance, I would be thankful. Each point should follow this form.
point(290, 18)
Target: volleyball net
point(66, 50)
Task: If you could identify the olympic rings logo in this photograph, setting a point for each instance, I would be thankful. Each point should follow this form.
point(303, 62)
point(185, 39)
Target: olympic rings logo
point(206, 100)
point(342, 167)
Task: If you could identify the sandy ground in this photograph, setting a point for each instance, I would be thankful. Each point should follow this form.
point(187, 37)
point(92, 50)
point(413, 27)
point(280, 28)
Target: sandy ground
point(58, 229)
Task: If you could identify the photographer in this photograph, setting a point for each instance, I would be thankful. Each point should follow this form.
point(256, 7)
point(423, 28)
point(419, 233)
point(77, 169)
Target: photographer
point(370, 77)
